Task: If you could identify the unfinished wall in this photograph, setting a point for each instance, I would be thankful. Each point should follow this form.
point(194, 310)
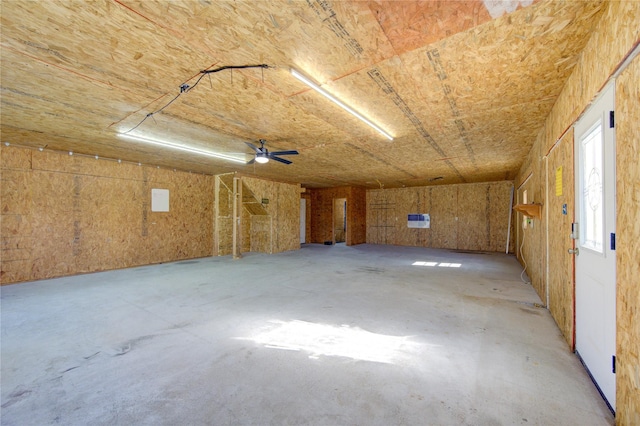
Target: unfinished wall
point(613, 38)
point(279, 229)
point(464, 217)
point(560, 214)
point(356, 216)
point(531, 238)
point(628, 245)
point(322, 214)
point(64, 215)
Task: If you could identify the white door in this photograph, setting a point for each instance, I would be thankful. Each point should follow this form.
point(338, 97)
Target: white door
point(303, 220)
point(595, 260)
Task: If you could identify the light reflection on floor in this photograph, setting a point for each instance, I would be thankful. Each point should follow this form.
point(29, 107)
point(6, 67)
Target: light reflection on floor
point(342, 341)
point(441, 264)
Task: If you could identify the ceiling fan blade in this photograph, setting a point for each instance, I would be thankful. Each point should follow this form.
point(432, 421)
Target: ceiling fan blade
point(285, 153)
point(252, 146)
point(282, 160)
point(253, 160)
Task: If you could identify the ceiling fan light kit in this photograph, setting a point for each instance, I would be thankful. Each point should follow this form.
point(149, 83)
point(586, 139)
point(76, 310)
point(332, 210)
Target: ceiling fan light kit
point(261, 158)
point(263, 155)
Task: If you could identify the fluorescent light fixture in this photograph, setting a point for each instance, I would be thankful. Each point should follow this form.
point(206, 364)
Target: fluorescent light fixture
point(338, 102)
point(182, 148)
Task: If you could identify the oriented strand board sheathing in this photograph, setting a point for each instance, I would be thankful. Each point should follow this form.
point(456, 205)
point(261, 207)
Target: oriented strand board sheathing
point(474, 224)
point(380, 217)
point(322, 214)
point(66, 214)
point(465, 217)
point(408, 201)
point(561, 288)
point(411, 24)
point(466, 103)
point(260, 222)
point(281, 203)
point(534, 248)
point(442, 77)
point(16, 230)
point(628, 245)
point(251, 203)
point(531, 240)
point(444, 210)
point(612, 38)
point(261, 239)
point(499, 211)
point(357, 216)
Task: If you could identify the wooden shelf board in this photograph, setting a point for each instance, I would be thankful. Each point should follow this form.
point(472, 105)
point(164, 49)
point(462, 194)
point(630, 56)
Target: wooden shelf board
point(532, 210)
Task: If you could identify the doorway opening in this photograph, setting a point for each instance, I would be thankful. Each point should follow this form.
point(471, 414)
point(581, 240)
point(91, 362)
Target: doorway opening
point(339, 220)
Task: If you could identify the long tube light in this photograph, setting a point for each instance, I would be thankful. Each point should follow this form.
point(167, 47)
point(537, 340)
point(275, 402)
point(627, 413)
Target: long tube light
point(338, 102)
point(182, 148)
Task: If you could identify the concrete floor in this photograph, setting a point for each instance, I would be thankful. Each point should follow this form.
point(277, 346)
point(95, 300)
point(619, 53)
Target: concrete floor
point(327, 335)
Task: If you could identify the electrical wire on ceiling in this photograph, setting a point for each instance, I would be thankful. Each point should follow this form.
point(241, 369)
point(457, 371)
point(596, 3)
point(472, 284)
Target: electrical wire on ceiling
point(184, 87)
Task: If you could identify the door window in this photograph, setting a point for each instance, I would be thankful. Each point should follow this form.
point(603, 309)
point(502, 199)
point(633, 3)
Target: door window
point(592, 233)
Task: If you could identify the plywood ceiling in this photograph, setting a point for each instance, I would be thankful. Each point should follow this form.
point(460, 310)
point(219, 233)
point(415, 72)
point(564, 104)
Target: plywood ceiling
point(463, 86)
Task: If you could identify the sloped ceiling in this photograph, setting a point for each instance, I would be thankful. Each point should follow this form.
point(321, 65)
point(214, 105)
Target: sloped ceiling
point(462, 86)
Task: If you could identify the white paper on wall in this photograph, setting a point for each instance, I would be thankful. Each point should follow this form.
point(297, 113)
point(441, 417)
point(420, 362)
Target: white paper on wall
point(159, 200)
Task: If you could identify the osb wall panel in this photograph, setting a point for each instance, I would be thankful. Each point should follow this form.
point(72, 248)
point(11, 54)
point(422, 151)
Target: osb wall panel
point(357, 216)
point(380, 217)
point(16, 231)
point(614, 36)
point(533, 252)
point(464, 217)
point(283, 208)
point(474, 224)
point(406, 201)
point(500, 208)
point(444, 215)
point(628, 245)
point(531, 240)
point(322, 214)
point(261, 235)
point(560, 279)
point(64, 215)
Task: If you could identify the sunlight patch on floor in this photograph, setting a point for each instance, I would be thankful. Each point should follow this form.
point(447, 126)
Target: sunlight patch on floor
point(330, 340)
point(441, 264)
